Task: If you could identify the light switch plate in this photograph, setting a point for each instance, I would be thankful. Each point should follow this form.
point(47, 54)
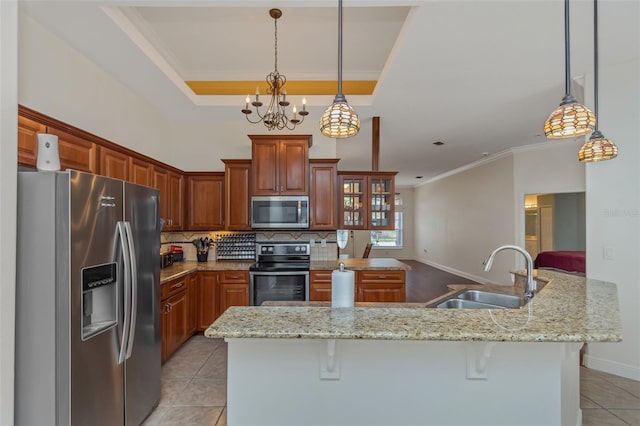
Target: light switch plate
point(312, 242)
point(323, 242)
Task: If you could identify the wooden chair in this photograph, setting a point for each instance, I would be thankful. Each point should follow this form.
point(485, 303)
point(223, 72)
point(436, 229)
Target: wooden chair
point(367, 250)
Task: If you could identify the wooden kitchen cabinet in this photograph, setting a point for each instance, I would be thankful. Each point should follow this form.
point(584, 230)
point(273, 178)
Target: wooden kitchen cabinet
point(233, 289)
point(28, 140)
point(237, 209)
point(75, 152)
point(207, 303)
point(320, 286)
point(141, 172)
point(280, 164)
point(114, 164)
point(323, 194)
point(367, 200)
point(192, 293)
point(174, 307)
point(170, 186)
point(381, 286)
point(204, 201)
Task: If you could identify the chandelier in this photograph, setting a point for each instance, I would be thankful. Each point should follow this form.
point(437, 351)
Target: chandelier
point(275, 116)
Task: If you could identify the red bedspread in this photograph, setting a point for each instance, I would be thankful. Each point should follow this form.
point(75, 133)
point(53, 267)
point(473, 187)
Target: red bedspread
point(570, 261)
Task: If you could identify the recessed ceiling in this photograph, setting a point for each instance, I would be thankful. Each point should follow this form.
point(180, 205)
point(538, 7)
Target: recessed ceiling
point(230, 50)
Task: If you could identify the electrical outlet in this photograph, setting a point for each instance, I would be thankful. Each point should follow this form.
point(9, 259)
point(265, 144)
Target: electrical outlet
point(323, 242)
point(312, 242)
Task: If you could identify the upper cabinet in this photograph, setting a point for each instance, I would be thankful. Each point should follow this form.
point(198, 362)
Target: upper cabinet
point(237, 211)
point(368, 200)
point(28, 140)
point(169, 184)
point(323, 194)
point(205, 195)
point(114, 164)
point(141, 172)
point(280, 164)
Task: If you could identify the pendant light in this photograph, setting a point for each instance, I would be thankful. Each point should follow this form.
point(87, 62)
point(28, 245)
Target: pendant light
point(597, 148)
point(571, 118)
point(339, 120)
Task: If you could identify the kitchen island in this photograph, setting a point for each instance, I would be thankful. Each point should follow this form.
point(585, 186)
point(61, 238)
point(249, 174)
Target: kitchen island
point(406, 364)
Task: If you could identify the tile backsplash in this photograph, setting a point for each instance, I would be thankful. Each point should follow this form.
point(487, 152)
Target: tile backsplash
point(323, 244)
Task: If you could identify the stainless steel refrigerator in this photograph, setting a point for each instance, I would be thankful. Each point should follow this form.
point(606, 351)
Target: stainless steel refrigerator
point(87, 300)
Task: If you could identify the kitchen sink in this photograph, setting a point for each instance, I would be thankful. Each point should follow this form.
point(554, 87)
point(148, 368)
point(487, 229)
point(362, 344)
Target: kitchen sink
point(479, 299)
point(490, 298)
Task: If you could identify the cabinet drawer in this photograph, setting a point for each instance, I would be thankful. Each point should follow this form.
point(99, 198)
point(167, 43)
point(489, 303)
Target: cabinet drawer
point(381, 275)
point(320, 276)
point(234, 277)
point(173, 287)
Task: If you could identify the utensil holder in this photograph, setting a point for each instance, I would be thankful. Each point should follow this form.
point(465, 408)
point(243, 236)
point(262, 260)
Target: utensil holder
point(202, 257)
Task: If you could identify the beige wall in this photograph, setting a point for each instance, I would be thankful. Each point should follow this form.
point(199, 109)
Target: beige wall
point(547, 168)
point(461, 218)
point(613, 213)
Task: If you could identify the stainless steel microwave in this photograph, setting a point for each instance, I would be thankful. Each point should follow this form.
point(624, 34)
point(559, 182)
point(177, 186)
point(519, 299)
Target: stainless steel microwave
point(280, 212)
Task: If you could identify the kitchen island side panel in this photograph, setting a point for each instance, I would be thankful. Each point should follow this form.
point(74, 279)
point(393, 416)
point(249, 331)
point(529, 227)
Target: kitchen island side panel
point(401, 383)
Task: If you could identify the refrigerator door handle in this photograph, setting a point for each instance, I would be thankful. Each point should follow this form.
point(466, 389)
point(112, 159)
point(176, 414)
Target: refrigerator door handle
point(126, 258)
point(133, 288)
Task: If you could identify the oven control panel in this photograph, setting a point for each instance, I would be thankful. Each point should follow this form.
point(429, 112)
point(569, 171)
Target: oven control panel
point(283, 248)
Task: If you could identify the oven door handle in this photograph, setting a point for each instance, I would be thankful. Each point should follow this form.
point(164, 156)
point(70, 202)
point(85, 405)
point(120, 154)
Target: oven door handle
point(279, 273)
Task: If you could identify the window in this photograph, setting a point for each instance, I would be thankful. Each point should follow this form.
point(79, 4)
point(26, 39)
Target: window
point(390, 239)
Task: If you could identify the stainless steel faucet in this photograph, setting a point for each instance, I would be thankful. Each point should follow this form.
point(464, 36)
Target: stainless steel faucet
point(530, 289)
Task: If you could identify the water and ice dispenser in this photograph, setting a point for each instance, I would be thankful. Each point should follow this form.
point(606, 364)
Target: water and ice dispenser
point(99, 299)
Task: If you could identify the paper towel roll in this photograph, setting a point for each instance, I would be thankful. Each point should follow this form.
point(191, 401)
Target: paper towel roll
point(342, 289)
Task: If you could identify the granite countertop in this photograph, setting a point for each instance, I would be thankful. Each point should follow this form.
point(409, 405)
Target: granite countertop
point(569, 308)
point(182, 268)
point(359, 264)
point(186, 267)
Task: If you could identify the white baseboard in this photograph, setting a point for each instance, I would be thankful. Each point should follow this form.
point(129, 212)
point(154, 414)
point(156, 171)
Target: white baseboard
point(612, 367)
point(471, 277)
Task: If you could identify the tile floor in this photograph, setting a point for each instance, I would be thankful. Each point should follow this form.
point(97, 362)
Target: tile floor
point(194, 390)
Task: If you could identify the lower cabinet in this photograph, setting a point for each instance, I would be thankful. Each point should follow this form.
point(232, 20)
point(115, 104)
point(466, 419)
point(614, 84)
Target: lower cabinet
point(207, 301)
point(380, 286)
point(320, 286)
point(233, 289)
point(192, 290)
point(370, 286)
point(174, 307)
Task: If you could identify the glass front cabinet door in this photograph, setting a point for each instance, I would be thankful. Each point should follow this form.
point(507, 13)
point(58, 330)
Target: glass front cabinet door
point(367, 200)
point(382, 202)
point(353, 205)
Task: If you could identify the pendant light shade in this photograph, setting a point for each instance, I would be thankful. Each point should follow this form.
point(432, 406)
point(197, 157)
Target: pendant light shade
point(340, 119)
point(571, 118)
point(597, 148)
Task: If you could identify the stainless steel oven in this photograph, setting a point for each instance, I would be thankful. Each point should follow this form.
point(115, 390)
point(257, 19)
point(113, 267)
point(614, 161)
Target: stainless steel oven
point(281, 273)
